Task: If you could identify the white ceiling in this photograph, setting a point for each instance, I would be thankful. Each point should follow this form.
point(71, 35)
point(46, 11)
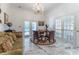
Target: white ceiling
point(29, 6)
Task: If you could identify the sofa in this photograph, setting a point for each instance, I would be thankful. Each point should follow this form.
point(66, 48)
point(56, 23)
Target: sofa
point(7, 41)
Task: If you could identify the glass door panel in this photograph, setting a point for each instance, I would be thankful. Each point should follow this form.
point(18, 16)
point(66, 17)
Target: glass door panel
point(58, 28)
point(27, 28)
point(34, 26)
point(58, 33)
point(69, 28)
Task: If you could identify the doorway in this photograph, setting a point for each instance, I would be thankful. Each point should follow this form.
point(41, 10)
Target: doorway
point(29, 26)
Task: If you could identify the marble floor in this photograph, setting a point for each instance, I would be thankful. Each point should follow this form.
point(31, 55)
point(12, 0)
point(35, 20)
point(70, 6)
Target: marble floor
point(57, 48)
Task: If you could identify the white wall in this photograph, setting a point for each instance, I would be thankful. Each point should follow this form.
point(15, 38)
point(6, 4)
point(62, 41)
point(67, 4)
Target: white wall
point(66, 10)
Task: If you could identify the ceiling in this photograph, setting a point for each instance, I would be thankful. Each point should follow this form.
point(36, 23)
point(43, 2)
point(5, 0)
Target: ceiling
point(29, 6)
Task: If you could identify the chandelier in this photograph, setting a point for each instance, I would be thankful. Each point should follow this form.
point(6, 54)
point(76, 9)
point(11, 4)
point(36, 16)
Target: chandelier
point(38, 8)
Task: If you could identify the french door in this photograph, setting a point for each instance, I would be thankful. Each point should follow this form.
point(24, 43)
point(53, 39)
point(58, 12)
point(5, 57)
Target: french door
point(64, 29)
point(69, 31)
point(29, 26)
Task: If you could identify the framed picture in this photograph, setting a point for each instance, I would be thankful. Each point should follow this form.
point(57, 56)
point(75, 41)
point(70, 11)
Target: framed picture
point(5, 18)
point(41, 23)
point(0, 10)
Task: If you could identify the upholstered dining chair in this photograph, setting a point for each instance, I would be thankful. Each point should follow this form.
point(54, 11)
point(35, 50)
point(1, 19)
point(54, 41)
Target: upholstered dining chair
point(35, 35)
